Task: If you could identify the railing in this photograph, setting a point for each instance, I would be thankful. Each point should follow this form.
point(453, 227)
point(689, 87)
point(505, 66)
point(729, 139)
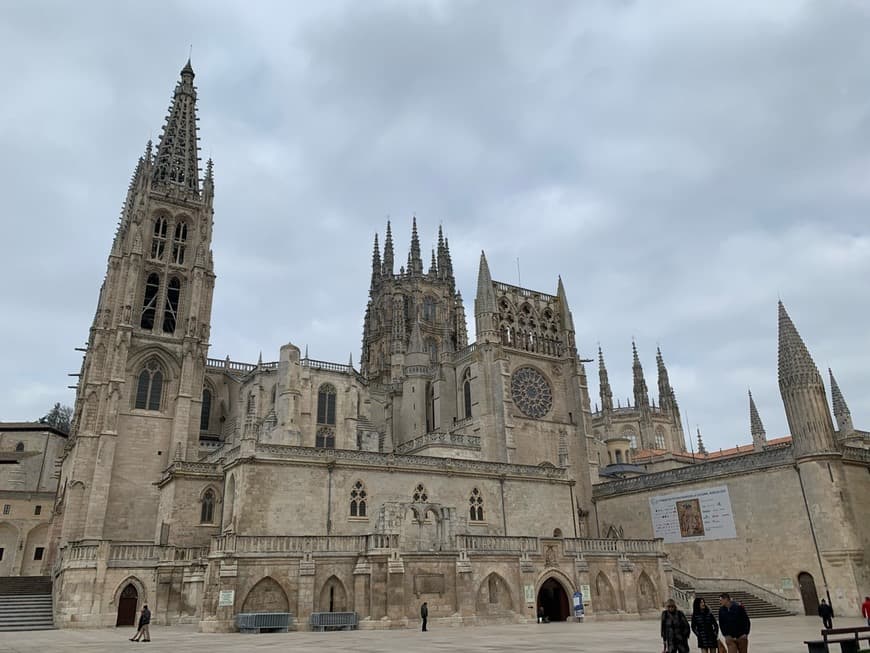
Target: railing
point(523, 292)
point(856, 454)
point(589, 545)
point(131, 552)
point(81, 553)
point(467, 351)
point(236, 366)
point(683, 598)
point(497, 543)
point(462, 423)
point(186, 554)
point(327, 366)
point(289, 543)
point(439, 437)
point(734, 584)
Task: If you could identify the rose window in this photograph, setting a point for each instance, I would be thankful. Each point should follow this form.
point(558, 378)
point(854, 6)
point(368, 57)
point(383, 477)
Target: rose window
point(531, 392)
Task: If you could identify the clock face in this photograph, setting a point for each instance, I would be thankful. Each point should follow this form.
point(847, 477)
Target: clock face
point(531, 392)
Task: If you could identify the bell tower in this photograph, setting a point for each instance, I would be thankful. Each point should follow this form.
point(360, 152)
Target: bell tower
point(140, 389)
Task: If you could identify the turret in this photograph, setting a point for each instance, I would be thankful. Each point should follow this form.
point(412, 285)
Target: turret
point(641, 394)
point(803, 394)
point(759, 437)
point(485, 311)
point(841, 410)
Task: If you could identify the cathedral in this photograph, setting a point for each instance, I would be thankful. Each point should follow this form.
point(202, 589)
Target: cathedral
point(474, 476)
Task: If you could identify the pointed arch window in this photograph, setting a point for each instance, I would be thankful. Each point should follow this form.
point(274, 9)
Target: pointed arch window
point(158, 241)
point(660, 439)
point(205, 413)
point(170, 309)
point(475, 506)
point(429, 305)
point(326, 404)
point(466, 392)
point(19, 447)
point(325, 437)
point(179, 243)
point(206, 509)
point(149, 303)
point(149, 386)
point(358, 499)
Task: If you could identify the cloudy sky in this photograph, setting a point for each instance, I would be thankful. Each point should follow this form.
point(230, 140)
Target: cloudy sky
point(680, 164)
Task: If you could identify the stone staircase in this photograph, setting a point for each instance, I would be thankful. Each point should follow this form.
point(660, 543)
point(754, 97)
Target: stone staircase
point(25, 603)
point(755, 606)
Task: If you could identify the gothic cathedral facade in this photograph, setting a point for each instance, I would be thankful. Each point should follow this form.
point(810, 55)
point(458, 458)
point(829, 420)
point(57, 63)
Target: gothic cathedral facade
point(443, 471)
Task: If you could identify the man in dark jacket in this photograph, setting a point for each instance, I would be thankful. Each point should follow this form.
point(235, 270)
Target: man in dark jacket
point(826, 612)
point(143, 633)
point(734, 624)
point(424, 614)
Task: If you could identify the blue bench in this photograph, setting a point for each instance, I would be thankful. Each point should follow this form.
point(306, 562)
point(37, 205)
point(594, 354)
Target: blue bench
point(260, 622)
point(333, 621)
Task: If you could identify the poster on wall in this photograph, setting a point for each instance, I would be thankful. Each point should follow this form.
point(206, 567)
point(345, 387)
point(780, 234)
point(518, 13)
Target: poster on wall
point(693, 516)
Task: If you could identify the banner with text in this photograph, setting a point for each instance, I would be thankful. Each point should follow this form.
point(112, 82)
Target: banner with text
point(693, 515)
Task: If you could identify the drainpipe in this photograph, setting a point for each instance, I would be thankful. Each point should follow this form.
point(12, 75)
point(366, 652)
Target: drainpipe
point(813, 532)
point(329, 499)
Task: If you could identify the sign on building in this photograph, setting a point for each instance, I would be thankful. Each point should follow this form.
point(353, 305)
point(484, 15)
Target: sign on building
point(694, 515)
point(226, 598)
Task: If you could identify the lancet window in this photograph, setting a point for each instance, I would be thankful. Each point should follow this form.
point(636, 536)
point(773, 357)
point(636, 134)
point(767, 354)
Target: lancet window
point(358, 499)
point(475, 506)
point(149, 303)
point(179, 243)
point(466, 392)
point(205, 414)
point(170, 308)
point(326, 404)
point(149, 386)
point(158, 240)
point(206, 510)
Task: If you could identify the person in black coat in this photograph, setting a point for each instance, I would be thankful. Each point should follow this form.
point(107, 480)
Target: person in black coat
point(734, 624)
point(424, 614)
point(826, 612)
point(143, 634)
point(675, 629)
point(705, 627)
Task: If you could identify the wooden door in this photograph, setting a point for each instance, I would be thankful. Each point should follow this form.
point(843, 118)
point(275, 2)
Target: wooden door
point(809, 595)
point(127, 604)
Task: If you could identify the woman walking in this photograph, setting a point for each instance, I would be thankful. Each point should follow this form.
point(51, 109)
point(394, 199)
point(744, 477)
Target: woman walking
point(705, 627)
point(675, 629)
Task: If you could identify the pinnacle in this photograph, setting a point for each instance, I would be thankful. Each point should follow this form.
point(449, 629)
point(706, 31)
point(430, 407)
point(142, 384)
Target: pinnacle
point(485, 300)
point(796, 366)
point(755, 425)
point(837, 399)
point(177, 160)
point(188, 69)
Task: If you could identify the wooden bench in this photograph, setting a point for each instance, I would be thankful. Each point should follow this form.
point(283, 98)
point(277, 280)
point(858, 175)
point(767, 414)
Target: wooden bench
point(264, 622)
point(848, 638)
point(333, 621)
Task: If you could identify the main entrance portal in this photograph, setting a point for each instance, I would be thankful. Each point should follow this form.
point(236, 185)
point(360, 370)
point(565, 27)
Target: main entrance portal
point(553, 601)
point(127, 604)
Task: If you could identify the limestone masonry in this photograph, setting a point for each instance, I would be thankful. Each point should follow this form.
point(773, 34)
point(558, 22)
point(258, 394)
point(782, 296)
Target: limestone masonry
point(474, 476)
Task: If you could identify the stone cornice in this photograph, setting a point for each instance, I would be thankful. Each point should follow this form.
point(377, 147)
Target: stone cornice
point(351, 457)
point(771, 458)
point(856, 455)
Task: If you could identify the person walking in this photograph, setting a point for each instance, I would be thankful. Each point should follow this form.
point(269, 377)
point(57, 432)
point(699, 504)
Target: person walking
point(675, 629)
point(705, 627)
point(424, 614)
point(734, 624)
point(826, 612)
point(865, 609)
point(143, 633)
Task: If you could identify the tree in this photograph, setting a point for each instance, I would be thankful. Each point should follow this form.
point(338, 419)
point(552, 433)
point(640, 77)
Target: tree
point(59, 417)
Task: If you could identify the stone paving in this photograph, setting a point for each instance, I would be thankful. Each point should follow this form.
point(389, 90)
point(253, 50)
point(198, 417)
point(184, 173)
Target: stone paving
point(783, 635)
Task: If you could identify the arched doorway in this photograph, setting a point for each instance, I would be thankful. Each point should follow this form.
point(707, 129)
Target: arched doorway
point(809, 595)
point(127, 604)
point(554, 601)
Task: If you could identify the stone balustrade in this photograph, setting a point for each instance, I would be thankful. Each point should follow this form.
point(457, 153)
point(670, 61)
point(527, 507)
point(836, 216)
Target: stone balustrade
point(497, 543)
point(439, 438)
point(589, 545)
point(292, 544)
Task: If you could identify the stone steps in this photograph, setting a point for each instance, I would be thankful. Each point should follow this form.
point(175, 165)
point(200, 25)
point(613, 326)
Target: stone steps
point(755, 606)
point(25, 603)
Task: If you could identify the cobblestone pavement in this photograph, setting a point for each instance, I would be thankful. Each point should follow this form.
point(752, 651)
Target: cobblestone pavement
point(784, 635)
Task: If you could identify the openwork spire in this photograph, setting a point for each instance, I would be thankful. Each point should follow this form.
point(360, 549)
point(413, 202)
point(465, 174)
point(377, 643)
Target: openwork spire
point(702, 450)
point(841, 410)
point(376, 262)
point(796, 366)
point(604, 384)
point(177, 160)
point(759, 437)
point(641, 394)
point(433, 267)
point(415, 260)
point(388, 252)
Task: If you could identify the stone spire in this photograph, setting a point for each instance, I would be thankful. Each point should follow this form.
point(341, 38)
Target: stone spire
point(376, 262)
point(388, 252)
point(759, 437)
point(641, 394)
point(448, 262)
point(666, 392)
point(415, 261)
point(177, 161)
point(803, 394)
point(841, 410)
point(702, 450)
point(442, 261)
point(604, 384)
point(485, 312)
point(433, 267)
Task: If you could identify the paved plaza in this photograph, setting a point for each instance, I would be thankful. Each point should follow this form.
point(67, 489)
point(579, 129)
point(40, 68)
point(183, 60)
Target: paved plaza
point(783, 635)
